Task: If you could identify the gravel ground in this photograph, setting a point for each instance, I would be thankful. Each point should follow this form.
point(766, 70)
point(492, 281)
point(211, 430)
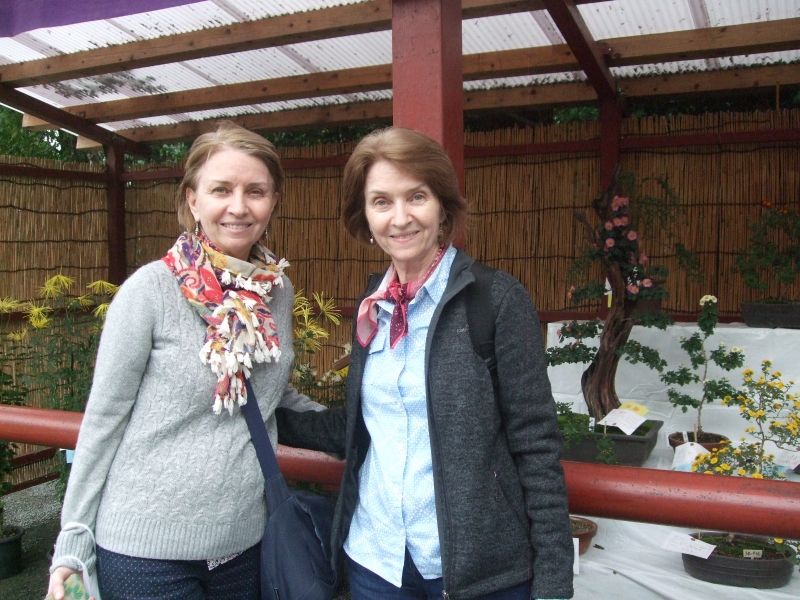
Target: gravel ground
point(37, 510)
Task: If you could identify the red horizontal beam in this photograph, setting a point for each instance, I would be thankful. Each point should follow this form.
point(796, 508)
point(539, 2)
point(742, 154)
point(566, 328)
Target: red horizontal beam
point(628, 493)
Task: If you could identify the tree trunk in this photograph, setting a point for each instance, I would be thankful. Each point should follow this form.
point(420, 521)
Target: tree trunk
point(597, 381)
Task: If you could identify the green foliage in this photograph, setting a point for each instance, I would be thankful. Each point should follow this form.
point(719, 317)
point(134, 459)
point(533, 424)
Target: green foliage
point(699, 361)
point(578, 351)
point(55, 143)
point(614, 240)
point(310, 321)
point(636, 353)
point(576, 427)
point(773, 249)
point(57, 344)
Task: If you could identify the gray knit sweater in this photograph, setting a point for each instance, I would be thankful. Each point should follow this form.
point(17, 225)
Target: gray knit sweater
point(157, 474)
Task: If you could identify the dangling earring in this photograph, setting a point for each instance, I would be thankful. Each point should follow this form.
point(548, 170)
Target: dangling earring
point(266, 233)
point(197, 227)
point(371, 240)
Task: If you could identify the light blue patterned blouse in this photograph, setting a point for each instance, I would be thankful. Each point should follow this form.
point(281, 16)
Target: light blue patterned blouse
point(396, 507)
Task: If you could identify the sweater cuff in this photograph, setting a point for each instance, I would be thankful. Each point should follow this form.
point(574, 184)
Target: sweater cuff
point(73, 548)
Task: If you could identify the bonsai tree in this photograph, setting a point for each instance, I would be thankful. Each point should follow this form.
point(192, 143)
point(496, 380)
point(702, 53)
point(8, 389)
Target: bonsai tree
point(635, 287)
point(697, 372)
point(773, 249)
point(768, 403)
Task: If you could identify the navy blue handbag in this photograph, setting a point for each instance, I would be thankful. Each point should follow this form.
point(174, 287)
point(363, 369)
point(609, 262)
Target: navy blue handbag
point(295, 555)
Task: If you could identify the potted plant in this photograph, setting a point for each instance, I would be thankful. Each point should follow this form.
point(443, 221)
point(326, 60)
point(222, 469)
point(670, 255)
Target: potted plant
point(768, 403)
point(635, 289)
point(634, 286)
point(773, 250)
point(696, 373)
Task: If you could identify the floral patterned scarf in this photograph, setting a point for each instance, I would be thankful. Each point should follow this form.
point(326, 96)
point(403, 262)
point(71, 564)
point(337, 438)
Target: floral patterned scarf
point(231, 296)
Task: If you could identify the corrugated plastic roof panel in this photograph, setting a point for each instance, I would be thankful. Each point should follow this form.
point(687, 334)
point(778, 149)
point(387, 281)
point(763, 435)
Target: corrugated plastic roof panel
point(604, 20)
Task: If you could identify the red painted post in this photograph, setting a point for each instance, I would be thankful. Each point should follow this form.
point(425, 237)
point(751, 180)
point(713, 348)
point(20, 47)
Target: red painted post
point(427, 81)
point(610, 137)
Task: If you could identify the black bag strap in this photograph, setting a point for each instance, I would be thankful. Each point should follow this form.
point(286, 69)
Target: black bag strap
point(481, 316)
point(275, 485)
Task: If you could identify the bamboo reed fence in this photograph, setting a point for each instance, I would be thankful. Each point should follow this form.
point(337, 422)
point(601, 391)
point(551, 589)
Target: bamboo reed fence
point(521, 214)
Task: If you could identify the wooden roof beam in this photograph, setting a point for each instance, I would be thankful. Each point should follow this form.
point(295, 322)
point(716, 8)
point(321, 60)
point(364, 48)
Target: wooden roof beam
point(570, 23)
point(518, 97)
point(337, 21)
point(64, 120)
point(32, 123)
point(711, 42)
point(679, 45)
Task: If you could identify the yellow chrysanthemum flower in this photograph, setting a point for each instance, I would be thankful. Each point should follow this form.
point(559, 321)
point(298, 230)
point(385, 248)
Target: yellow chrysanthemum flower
point(9, 305)
point(102, 288)
point(37, 315)
point(56, 286)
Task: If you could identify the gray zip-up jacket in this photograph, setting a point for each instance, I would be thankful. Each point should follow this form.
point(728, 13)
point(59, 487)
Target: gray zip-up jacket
point(501, 503)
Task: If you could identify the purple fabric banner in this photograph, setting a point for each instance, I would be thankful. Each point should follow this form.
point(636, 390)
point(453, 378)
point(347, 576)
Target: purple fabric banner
point(18, 16)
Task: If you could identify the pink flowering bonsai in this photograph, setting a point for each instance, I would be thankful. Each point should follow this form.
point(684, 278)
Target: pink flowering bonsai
point(635, 287)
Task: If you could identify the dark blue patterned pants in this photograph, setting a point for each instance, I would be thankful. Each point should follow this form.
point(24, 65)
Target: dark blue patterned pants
point(124, 577)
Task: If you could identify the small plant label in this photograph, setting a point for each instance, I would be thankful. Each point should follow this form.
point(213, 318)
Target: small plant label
point(752, 553)
point(686, 453)
point(686, 544)
point(627, 420)
point(576, 560)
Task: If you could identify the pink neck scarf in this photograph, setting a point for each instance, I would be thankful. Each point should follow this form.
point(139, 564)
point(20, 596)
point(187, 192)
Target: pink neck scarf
point(401, 294)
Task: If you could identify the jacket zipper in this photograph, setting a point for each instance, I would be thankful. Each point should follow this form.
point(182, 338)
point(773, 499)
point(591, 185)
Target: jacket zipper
point(435, 448)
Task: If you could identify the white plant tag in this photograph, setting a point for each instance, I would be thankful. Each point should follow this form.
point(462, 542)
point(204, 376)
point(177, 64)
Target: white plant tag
point(685, 435)
point(576, 560)
point(626, 420)
point(751, 553)
point(686, 544)
point(686, 453)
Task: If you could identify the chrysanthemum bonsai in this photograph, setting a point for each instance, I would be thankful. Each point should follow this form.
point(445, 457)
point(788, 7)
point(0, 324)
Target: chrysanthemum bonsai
point(635, 286)
point(696, 373)
point(771, 263)
point(768, 403)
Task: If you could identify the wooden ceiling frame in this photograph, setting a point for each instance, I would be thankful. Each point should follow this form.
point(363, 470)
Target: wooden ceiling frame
point(598, 58)
point(624, 51)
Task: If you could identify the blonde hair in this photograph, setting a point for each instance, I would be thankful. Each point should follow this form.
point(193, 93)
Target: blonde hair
point(414, 153)
point(226, 135)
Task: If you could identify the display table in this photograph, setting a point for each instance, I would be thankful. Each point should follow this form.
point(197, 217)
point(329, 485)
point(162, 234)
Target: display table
point(626, 560)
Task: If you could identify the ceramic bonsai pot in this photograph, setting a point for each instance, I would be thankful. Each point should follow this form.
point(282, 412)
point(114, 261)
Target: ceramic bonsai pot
point(771, 314)
point(631, 450)
point(770, 571)
point(584, 530)
point(709, 441)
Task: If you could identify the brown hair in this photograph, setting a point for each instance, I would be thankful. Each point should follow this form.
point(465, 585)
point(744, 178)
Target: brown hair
point(413, 152)
point(227, 135)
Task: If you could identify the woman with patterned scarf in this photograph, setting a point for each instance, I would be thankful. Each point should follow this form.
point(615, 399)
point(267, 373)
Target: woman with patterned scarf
point(165, 498)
